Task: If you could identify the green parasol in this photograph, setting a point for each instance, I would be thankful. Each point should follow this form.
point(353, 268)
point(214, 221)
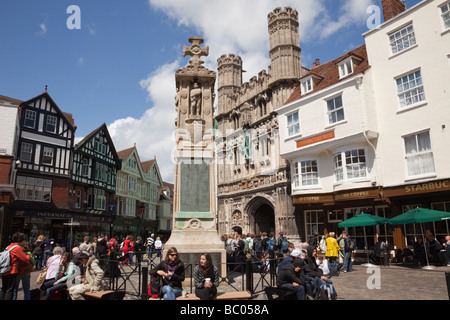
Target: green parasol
point(421, 215)
point(363, 220)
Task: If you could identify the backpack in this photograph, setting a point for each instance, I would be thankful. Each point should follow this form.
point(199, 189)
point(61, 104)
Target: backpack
point(284, 244)
point(326, 291)
point(258, 245)
point(5, 260)
point(351, 244)
point(334, 270)
point(271, 244)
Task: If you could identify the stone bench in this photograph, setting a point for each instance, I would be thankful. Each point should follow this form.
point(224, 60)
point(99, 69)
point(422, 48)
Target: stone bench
point(104, 295)
point(220, 296)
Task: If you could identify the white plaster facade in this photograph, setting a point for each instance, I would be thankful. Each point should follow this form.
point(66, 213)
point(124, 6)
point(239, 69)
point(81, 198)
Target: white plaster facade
point(358, 130)
point(428, 53)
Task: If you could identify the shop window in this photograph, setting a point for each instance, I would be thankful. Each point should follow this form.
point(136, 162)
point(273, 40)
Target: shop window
point(33, 189)
point(314, 222)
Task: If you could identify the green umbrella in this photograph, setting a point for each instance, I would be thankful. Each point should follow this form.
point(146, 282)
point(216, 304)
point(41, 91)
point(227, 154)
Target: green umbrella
point(420, 215)
point(363, 220)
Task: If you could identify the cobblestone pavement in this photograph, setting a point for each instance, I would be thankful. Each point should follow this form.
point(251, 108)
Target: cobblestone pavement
point(394, 282)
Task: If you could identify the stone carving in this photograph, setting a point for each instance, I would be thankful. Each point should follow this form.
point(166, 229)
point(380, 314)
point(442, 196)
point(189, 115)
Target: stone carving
point(195, 51)
point(196, 100)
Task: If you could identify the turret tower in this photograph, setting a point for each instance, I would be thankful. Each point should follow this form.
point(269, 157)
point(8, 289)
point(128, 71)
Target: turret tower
point(285, 52)
point(229, 80)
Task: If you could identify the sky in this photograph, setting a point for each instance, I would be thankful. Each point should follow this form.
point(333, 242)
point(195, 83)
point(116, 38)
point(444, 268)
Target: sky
point(114, 61)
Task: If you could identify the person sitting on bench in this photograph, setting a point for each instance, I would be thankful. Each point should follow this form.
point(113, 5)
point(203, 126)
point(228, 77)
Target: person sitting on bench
point(292, 278)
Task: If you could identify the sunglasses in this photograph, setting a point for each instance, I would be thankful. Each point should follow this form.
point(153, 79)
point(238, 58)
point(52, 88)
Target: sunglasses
point(173, 254)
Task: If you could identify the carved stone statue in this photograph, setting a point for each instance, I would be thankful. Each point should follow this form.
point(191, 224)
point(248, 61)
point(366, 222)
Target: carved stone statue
point(196, 100)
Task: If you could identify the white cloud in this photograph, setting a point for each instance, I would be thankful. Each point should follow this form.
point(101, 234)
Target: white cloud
point(42, 29)
point(233, 26)
point(91, 28)
point(352, 12)
point(153, 131)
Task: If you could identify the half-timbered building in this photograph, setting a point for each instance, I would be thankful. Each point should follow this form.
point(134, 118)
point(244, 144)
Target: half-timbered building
point(45, 152)
point(93, 183)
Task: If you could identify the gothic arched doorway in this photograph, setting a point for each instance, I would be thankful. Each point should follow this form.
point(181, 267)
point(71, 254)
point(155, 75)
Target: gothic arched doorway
point(262, 215)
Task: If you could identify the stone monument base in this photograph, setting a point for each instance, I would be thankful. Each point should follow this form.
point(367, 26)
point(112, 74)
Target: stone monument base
point(191, 244)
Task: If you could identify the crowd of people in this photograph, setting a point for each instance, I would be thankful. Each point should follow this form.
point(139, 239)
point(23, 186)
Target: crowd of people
point(79, 267)
point(302, 268)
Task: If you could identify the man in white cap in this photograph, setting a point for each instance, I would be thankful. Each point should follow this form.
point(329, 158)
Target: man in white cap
point(295, 254)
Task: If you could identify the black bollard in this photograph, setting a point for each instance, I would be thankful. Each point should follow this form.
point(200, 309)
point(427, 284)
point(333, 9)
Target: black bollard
point(144, 266)
point(249, 275)
point(386, 256)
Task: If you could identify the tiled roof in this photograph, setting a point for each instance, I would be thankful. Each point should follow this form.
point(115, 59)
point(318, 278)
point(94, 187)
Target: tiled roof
point(124, 154)
point(147, 165)
point(328, 73)
point(10, 100)
point(166, 186)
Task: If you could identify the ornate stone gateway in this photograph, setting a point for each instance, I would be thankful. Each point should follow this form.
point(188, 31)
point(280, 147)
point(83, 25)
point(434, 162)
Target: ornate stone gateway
point(194, 228)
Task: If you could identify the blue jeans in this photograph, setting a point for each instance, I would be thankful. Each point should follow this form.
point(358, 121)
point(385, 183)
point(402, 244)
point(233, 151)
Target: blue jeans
point(348, 265)
point(170, 293)
point(25, 285)
point(47, 253)
point(38, 262)
point(299, 290)
point(53, 289)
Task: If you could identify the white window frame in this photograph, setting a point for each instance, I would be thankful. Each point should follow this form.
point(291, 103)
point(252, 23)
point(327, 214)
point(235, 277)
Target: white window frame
point(48, 155)
point(30, 115)
point(335, 110)
point(25, 150)
point(345, 171)
point(307, 85)
point(293, 129)
point(410, 89)
point(402, 39)
point(99, 199)
point(345, 67)
point(305, 172)
point(445, 15)
point(52, 121)
point(410, 156)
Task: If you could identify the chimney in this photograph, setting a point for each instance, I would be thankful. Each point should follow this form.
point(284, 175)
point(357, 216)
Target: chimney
point(391, 8)
point(316, 63)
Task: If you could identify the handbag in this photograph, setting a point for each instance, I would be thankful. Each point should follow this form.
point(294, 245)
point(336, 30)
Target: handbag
point(41, 276)
point(155, 287)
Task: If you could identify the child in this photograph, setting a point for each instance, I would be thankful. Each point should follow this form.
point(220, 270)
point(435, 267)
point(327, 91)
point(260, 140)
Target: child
point(322, 263)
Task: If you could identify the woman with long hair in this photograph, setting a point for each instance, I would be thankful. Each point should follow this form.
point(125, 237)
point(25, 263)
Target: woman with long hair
point(206, 278)
point(65, 272)
point(171, 269)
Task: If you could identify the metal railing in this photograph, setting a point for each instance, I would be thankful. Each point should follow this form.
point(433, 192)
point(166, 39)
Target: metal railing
point(249, 274)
